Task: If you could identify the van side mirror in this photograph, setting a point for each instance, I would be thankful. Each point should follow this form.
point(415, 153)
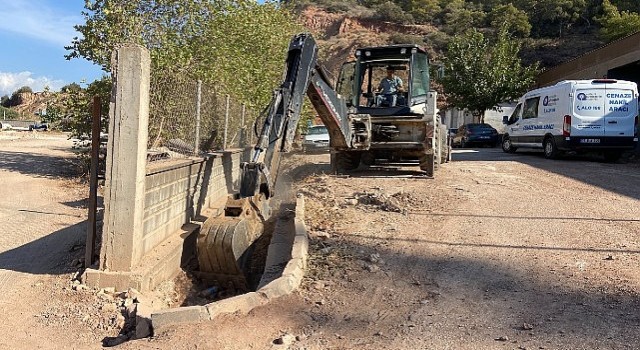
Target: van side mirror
point(505, 119)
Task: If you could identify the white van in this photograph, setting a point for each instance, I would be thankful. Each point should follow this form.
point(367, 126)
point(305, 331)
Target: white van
point(576, 115)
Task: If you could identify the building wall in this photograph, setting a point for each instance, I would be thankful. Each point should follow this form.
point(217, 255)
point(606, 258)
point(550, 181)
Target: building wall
point(595, 64)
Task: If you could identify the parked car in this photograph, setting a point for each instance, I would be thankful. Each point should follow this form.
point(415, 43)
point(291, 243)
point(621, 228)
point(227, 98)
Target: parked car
point(476, 134)
point(316, 139)
point(39, 126)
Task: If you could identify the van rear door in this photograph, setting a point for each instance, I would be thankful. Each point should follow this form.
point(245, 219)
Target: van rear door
point(588, 110)
point(621, 108)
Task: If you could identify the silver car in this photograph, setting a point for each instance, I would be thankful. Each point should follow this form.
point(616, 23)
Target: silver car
point(316, 139)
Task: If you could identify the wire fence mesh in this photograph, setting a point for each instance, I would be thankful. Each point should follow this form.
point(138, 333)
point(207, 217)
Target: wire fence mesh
point(188, 117)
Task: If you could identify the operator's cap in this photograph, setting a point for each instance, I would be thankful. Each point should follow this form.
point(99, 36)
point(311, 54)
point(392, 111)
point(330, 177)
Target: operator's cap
point(391, 68)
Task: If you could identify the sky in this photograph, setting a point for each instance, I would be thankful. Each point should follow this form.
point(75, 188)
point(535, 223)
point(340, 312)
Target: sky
point(33, 34)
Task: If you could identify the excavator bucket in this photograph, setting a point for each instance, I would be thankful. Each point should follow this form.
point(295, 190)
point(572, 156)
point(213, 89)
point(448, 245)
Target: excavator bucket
point(225, 245)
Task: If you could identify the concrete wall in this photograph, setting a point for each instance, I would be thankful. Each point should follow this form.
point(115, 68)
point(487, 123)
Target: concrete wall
point(179, 191)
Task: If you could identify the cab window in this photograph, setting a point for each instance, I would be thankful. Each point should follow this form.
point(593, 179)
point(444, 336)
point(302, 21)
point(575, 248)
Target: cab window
point(531, 108)
point(516, 114)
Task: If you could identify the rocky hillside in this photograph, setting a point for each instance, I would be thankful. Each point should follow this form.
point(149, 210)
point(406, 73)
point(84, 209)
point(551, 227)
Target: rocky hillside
point(339, 33)
point(30, 105)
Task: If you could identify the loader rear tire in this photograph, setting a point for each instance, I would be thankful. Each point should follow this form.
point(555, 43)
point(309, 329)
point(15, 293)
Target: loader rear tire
point(427, 163)
point(345, 161)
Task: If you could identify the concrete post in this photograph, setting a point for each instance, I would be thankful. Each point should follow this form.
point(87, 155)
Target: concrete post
point(126, 160)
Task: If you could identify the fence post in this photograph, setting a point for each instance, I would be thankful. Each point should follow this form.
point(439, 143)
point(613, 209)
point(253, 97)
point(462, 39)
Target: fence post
point(244, 107)
point(92, 227)
point(198, 104)
point(226, 124)
point(126, 161)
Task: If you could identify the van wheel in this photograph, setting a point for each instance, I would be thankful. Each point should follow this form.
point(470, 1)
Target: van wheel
point(507, 147)
point(612, 156)
point(550, 149)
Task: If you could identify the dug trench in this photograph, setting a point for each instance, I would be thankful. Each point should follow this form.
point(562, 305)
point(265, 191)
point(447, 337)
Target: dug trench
point(195, 288)
point(259, 267)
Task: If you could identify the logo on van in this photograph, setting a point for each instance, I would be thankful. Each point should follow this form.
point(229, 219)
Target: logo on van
point(582, 97)
point(550, 100)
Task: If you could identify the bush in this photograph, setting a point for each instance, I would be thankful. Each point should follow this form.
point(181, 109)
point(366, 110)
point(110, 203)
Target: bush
point(391, 12)
point(336, 6)
point(401, 38)
point(8, 113)
point(438, 40)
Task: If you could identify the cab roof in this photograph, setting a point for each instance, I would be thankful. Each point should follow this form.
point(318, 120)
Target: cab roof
point(389, 51)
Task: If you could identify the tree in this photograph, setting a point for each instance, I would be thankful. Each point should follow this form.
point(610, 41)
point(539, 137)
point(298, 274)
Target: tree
point(551, 17)
point(480, 73)
point(71, 88)
point(4, 100)
point(238, 46)
point(392, 12)
point(460, 16)
point(423, 11)
point(516, 20)
point(24, 89)
point(616, 24)
point(15, 98)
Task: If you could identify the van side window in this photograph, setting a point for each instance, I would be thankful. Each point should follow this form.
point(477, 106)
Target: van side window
point(531, 108)
point(515, 115)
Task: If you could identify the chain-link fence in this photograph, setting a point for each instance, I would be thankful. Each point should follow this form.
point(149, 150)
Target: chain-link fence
point(188, 117)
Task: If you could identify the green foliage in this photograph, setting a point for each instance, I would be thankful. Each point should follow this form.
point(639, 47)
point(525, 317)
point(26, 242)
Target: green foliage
point(516, 20)
point(72, 107)
point(15, 98)
point(71, 87)
point(480, 73)
point(617, 24)
point(391, 12)
point(336, 5)
point(459, 16)
point(422, 11)
point(4, 100)
point(80, 114)
point(399, 38)
point(552, 17)
point(24, 89)
point(8, 113)
point(236, 46)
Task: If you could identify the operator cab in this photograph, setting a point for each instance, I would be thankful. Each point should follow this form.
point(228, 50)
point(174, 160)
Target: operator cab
point(359, 80)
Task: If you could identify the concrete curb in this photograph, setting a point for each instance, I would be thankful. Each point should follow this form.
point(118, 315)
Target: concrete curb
point(242, 304)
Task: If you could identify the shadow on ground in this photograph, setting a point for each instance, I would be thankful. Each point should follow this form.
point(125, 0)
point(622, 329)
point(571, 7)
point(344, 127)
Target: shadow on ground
point(585, 168)
point(38, 165)
point(46, 255)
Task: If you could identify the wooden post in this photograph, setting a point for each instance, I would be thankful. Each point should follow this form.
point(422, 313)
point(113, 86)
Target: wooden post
point(92, 225)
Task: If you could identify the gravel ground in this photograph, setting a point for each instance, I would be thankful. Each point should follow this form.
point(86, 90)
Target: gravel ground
point(499, 251)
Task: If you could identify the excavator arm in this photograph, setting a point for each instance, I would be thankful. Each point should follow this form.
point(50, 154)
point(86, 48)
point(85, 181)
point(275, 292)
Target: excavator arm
point(302, 75)
point(224, 242)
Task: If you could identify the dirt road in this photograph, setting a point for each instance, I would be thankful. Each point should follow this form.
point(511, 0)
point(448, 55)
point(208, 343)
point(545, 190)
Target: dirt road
point(497, 252)
point(42, 232)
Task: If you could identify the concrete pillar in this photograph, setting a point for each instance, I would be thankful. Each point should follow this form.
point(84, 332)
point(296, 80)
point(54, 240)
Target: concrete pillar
point(126, 160)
